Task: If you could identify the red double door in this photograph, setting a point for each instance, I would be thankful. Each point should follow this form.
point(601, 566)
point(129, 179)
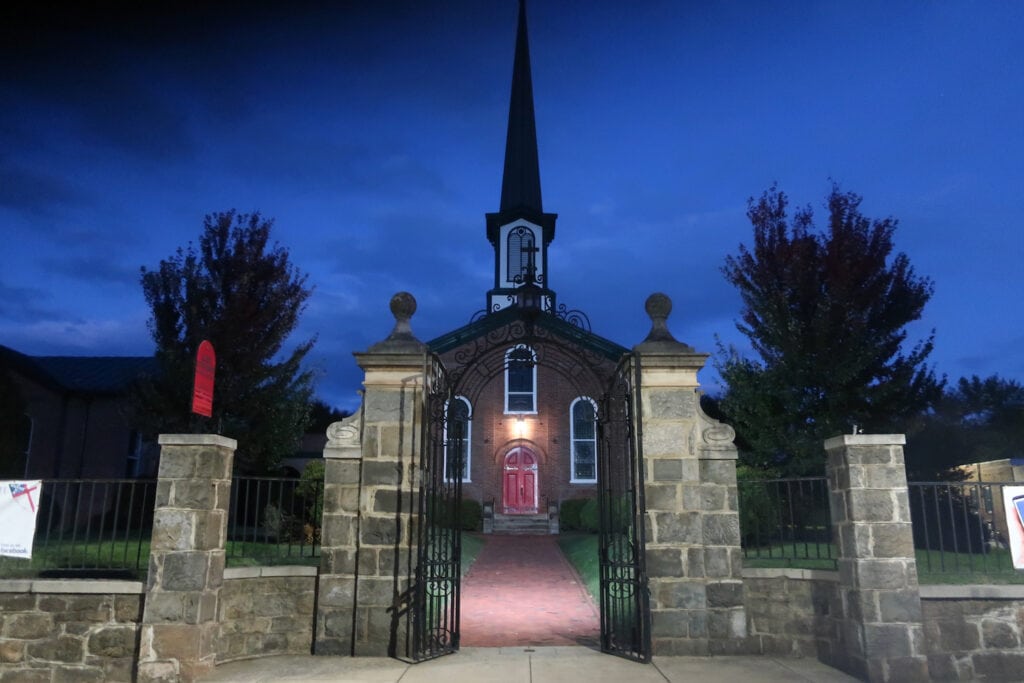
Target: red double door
point(520, 482)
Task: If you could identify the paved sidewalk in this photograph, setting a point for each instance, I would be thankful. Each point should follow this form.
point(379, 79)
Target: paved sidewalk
point(528, 665)
point(521, 590)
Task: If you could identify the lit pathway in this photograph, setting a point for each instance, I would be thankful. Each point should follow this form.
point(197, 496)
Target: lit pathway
point(521, 590)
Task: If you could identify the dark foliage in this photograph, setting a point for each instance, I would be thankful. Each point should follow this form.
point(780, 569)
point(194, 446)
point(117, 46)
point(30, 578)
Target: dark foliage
point(322, 415)
point(569, 514)
point(15, 427)
point(976, 421)
point(239, 291)
point(826, 312)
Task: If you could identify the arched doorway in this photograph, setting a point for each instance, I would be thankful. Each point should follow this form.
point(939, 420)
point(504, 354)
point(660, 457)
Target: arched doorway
point(519, 482)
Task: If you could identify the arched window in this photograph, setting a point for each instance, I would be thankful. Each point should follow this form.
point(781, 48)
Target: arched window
point(583, 436)
point(457, 438)
point(520, 380)
point(521, 253)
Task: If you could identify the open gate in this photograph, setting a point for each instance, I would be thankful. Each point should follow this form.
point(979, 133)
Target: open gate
point(435, 603)
point(625, 601)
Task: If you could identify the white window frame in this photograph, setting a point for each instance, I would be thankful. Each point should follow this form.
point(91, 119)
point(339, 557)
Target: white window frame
point(504, 276)
point(467, 438)
point(573, 479)
point(533, 381)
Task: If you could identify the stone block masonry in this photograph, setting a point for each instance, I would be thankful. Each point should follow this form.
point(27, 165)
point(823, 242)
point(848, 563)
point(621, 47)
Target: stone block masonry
point(974, 633)
point(69, 630)
point(880, 629)
point(692, 513)
point(186, 562)
point(266, 611)
point(370, 509)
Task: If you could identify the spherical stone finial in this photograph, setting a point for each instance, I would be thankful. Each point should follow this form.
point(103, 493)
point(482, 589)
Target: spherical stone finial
point(659, 339)
point(403, 306)
point(658, 306)
point(401, 339)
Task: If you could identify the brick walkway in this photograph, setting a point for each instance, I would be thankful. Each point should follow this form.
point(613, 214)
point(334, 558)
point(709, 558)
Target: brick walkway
point(522, 591)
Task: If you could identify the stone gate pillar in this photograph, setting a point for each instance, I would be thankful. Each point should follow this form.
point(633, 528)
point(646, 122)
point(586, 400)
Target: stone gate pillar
point(693, 539)
point(368, 544)
point(186, 557)
point(880, 628)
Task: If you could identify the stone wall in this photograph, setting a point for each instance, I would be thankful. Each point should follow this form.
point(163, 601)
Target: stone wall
point(266, 611)
point(974, 633)
point(793, 612)
point(69, 630)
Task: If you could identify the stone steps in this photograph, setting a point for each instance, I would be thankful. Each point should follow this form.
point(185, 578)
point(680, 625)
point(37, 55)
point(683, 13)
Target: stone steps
point(523, 525)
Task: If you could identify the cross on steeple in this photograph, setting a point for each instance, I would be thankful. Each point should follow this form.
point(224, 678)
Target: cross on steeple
point(529, 274)
point(520, 228)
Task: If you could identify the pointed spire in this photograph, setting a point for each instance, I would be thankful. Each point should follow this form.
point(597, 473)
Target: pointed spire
point(520, 185)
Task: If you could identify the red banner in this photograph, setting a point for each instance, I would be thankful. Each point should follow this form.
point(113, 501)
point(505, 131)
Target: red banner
point(202, 388)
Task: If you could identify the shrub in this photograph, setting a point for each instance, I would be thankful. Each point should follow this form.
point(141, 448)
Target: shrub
point(759, 509)
point(443, 513)
point(311, 488)
point(569, 514)
point(589, 516)
point(472, 515)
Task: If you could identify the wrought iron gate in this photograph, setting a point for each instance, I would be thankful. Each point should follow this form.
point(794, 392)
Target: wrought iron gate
point(435, 603)
point(625, 602)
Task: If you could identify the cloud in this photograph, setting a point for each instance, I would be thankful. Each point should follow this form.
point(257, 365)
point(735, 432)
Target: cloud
point(108, 337)
point(93, 268)
point(33, 192)
point(24, 304)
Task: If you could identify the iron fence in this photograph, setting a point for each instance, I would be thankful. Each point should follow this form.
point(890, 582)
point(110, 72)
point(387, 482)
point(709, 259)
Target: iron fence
point(274, 520)
point(786, 523)
point(89, 528)
point(960, 532)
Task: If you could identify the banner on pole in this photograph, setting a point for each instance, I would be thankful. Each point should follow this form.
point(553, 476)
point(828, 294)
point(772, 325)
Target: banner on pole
point(19, 504)
point(1013, 500)
point(202, 386)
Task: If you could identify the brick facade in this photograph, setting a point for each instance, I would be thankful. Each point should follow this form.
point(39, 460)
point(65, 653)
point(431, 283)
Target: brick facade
point(546, 433)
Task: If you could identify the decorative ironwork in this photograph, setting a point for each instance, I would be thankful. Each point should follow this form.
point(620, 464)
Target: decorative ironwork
point(573, 316)
point(477, 355)
point(436, 592)
point(557, 345)
point(625, 602)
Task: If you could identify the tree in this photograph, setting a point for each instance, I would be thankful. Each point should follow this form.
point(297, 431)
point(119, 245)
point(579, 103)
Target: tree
point(826, 312)
point(976, 421)
point(322, 415)
point(14, 426)
point(244, 296)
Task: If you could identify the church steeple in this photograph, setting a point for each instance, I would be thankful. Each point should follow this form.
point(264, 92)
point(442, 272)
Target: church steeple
point(520, 231)
point(520, 185)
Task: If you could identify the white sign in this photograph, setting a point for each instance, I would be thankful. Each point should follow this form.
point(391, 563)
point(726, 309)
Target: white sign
point(1013, 499)
point(19, 503)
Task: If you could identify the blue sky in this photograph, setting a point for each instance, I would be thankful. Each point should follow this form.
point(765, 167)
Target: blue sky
point(373, 133)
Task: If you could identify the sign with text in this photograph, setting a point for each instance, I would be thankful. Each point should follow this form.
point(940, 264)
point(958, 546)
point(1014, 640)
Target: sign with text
point(19, 503)
point(202, 387)
point(1013, 500)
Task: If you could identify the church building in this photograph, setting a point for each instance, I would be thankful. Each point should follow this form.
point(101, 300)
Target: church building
point(528, 373)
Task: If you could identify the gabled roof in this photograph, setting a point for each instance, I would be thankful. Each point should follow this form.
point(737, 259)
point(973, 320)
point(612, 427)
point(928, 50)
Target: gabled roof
point(547, 321)
point(102, 375)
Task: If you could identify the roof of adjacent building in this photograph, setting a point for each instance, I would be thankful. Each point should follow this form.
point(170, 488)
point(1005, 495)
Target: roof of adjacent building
point(80, 374)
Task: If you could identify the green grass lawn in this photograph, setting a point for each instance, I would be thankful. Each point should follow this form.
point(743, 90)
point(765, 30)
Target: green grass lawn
point(123, 558)
point(471, 546)
point(933, 567)
point(581, 550)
